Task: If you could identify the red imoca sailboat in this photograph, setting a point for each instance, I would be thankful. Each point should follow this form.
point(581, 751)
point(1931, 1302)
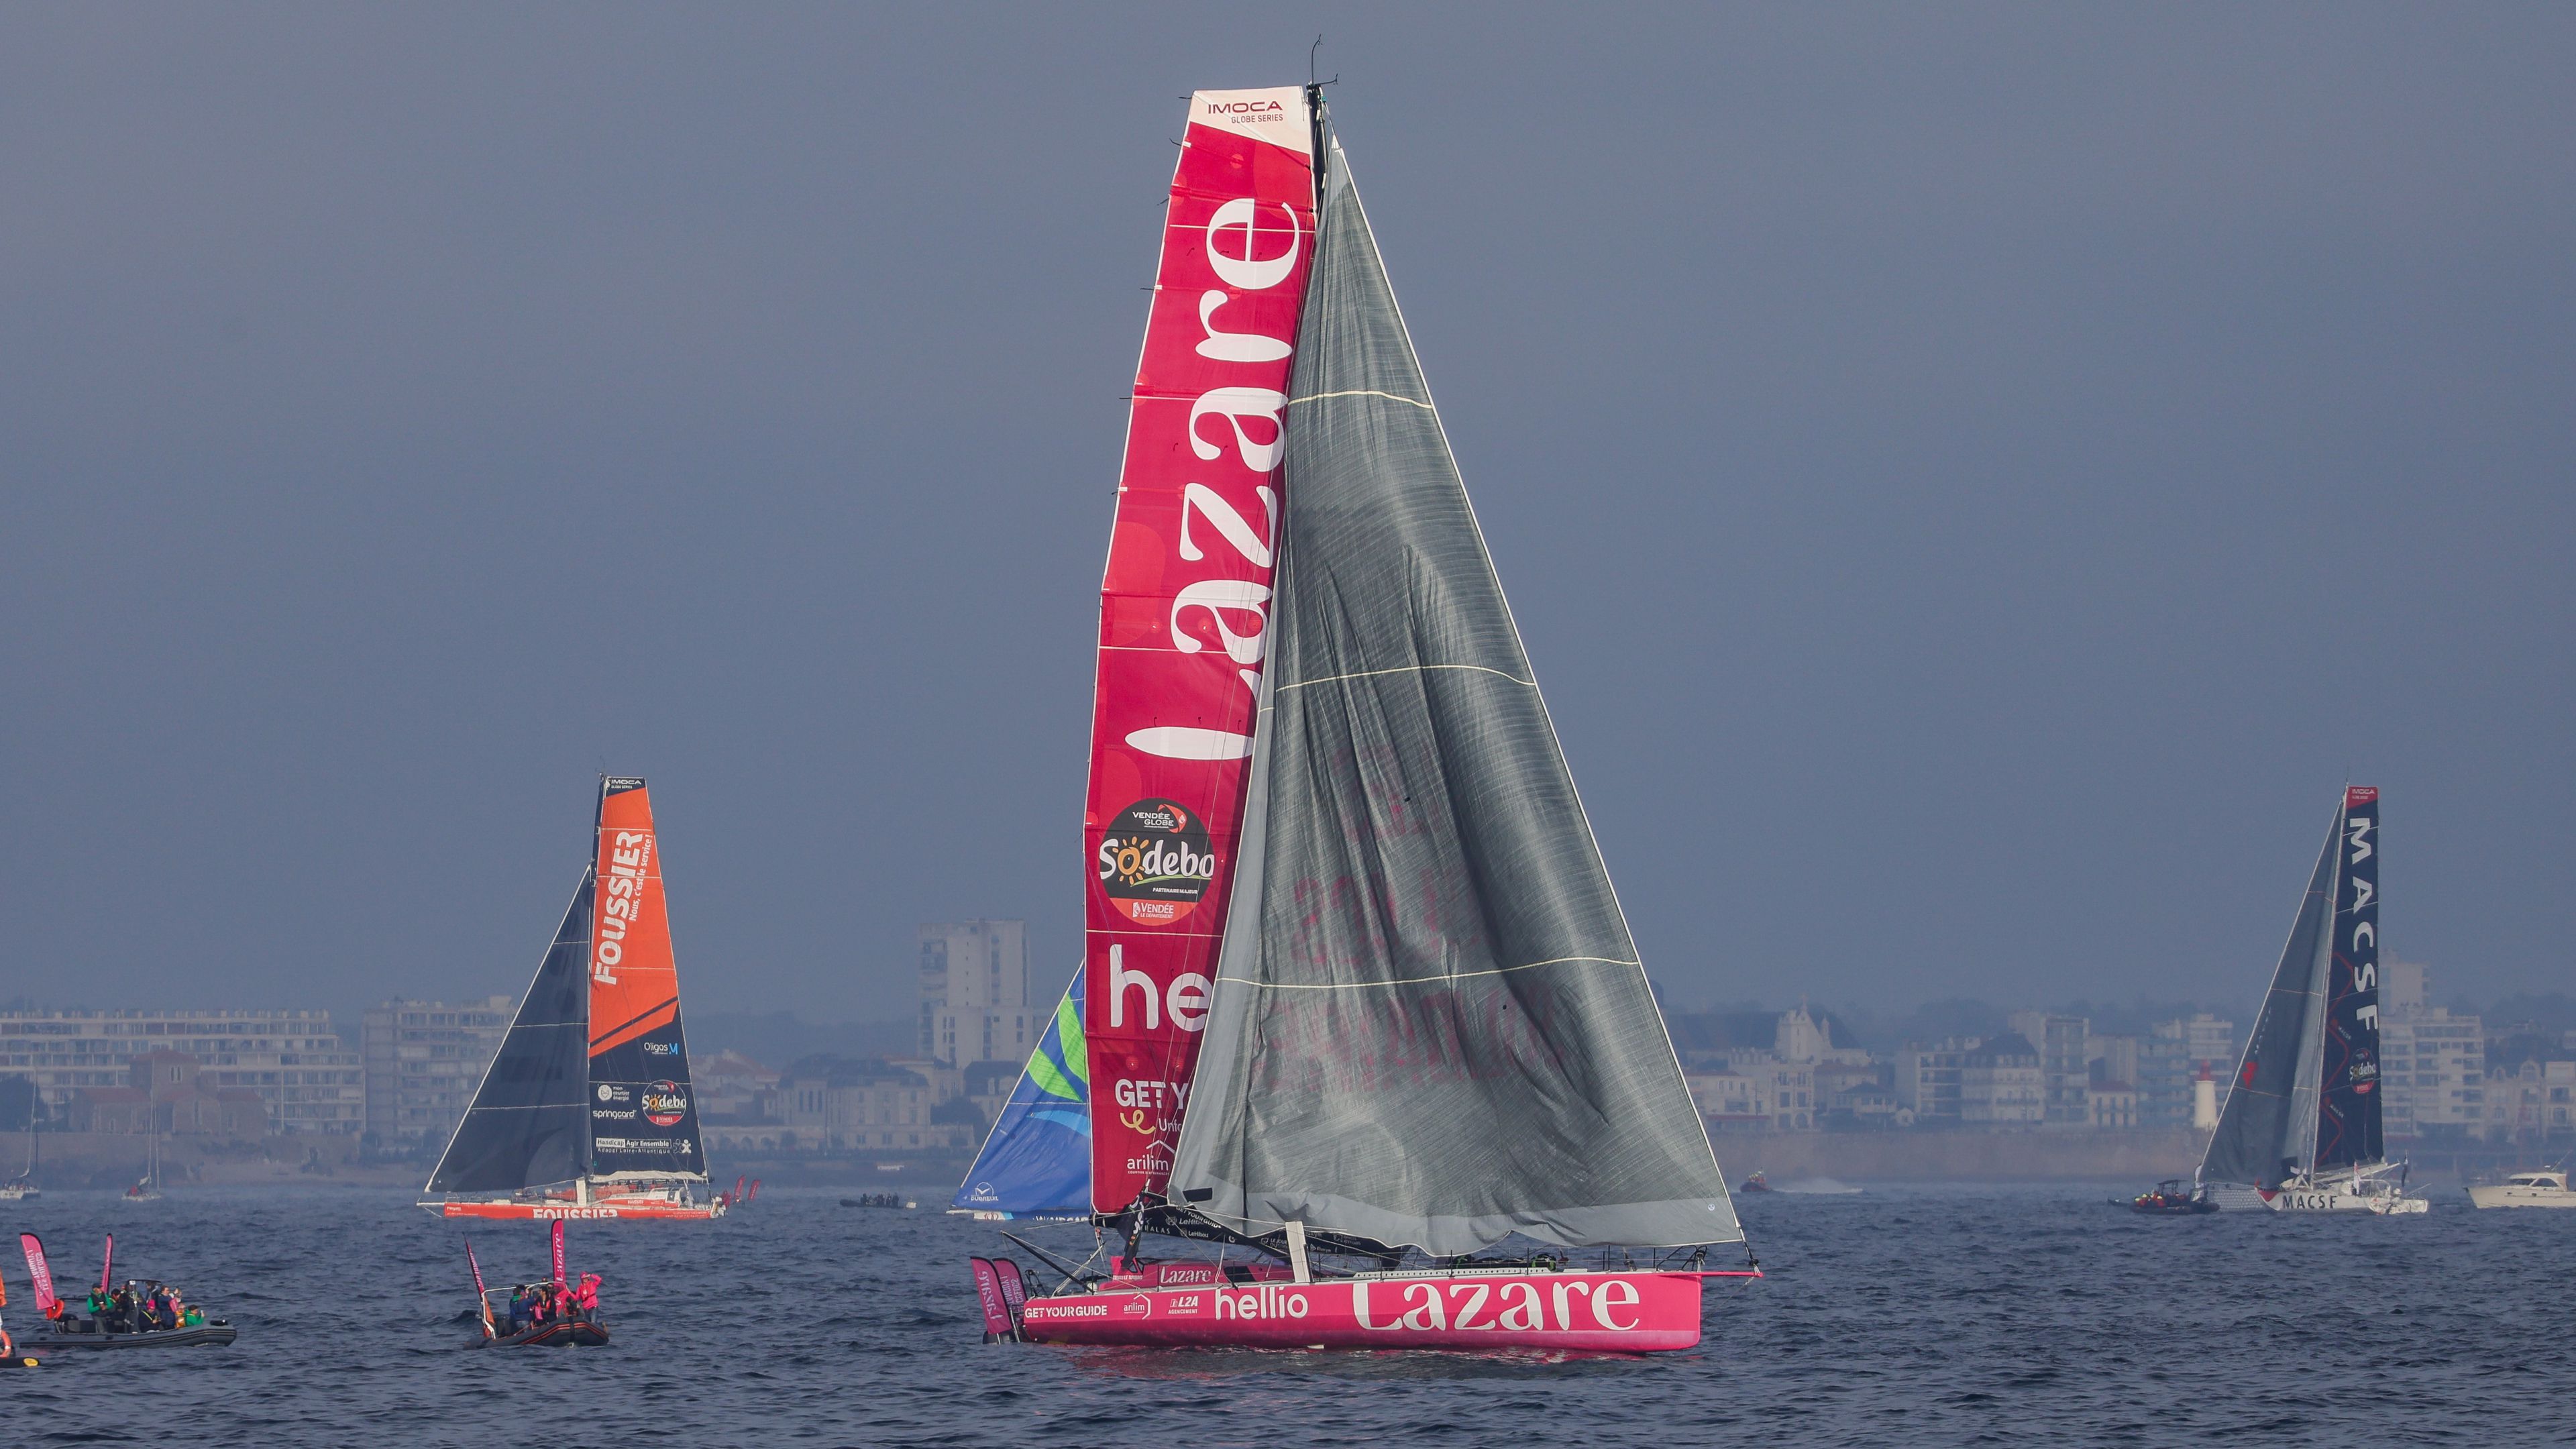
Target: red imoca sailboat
point(586, 1111)
point(1361, 1010)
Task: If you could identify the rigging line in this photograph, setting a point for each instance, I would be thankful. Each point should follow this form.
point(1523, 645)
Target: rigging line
point(1410, 669)
point(1422, 980)
point(1362, 392)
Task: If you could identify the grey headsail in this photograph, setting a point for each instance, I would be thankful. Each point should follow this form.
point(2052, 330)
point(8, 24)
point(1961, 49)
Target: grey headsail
point(530, 1122)
point(2265, 1134)
point(1430, 1027)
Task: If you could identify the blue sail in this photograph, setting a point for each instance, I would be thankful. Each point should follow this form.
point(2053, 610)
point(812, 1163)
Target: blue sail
point(1037, 1162)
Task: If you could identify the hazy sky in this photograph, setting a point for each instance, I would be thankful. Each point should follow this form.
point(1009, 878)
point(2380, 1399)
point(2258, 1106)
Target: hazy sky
point(1975, 482)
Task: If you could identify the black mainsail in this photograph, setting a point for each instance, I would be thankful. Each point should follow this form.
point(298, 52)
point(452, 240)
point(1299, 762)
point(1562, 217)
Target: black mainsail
point(1430, 1026)
point(529, 1123)
point(2306, 1091)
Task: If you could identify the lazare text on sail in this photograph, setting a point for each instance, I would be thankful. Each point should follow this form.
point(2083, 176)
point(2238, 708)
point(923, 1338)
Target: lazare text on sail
point(1223, 599)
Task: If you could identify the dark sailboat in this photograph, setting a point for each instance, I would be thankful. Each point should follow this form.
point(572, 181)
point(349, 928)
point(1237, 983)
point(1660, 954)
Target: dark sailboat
point(1362, 1005)
point(587, 1110)
point(2302, 1121)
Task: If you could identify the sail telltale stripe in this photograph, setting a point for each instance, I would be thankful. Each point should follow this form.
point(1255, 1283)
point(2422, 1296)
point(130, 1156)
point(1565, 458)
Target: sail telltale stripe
point(1410, 669)
point(1423, 980)
point(1362, 392)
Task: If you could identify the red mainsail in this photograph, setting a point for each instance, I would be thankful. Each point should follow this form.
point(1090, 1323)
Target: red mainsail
point(1184, 609)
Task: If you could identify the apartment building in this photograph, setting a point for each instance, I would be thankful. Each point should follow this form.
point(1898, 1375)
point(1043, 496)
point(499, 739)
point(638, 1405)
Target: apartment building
point(424, 1060)
point(307, 1078)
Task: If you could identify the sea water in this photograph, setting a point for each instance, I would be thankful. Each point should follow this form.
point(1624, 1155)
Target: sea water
point(2004, 1315)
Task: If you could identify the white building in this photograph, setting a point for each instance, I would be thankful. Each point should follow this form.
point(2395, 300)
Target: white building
point(2001, 1085)
point(307, 1078)
point(1731, 1100)
point(424, 1060)
point(2435, 1064)
point(2064, 1077)
point(975, 992)
point(2532, 1105)
point(1927, 1079)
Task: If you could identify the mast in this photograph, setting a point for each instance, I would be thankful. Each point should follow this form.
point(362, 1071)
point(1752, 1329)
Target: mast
point(1184, 617)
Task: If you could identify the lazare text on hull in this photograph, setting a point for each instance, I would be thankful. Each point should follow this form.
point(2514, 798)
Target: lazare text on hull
point(1358, 1007)
point(587, 1112)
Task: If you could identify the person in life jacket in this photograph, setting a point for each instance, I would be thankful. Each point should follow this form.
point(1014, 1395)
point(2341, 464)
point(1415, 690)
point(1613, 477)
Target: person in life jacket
point(585, 1298)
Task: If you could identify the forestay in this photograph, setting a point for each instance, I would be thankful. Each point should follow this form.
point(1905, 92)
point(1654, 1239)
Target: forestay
point(1430, 1026)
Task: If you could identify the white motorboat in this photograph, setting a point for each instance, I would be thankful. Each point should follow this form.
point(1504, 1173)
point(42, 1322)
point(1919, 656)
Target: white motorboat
point(2545, 1189)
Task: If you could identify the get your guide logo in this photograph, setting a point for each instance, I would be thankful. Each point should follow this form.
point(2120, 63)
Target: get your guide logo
point(1155, 862)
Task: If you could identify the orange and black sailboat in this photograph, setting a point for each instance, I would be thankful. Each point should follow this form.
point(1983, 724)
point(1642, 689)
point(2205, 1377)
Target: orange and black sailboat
point(586, 1111)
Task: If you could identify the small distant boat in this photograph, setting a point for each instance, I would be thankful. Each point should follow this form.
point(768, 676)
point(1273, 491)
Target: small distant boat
point(147, 1188)
point(1754, 1184)
point(85, 1333)
point(566, 1327)
point(22, 1188)
point(2171, 1199)
point(1818, 1187)
point(2543, 1189)
point(71, 1328)
point(879, 1200)
point(2302, 1121)
point(586, 1111)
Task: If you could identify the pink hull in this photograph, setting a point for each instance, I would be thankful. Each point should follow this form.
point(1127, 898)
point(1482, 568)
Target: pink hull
point(1601, 1312)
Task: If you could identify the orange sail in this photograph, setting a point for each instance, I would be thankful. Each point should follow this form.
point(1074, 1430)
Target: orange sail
point(643, 1120)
